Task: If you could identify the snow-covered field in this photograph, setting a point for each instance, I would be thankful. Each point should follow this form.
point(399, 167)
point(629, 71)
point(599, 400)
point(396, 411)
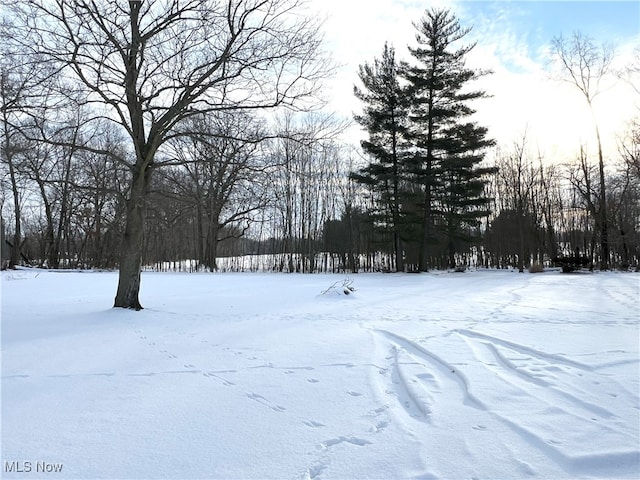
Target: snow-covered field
point(487, 374)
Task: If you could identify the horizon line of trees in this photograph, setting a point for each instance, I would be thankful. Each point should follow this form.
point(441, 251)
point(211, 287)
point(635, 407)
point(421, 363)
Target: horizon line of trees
point(428, 189)
point(308, 206)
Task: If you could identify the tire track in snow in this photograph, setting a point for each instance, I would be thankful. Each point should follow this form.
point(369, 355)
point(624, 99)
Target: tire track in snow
point(560, 394)
point(527, 383)
point(551, 358)
point(559, 416)
point(560, 422)
point(411, 399)
point(430, 399)
point(438, 372)
point(524, 349)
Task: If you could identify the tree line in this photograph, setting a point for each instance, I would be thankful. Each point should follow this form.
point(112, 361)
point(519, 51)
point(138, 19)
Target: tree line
point(139, 133)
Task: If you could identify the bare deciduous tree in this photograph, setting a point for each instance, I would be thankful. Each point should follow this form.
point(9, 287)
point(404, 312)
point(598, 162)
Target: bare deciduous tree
point(220, 174)
point(149, 65)
point(10, 148)
point(586, 65)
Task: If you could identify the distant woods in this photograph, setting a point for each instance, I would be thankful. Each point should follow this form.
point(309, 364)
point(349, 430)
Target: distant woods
point(239, 177)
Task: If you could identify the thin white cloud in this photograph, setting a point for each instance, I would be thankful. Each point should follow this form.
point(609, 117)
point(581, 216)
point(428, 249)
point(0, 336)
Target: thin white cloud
point(556, 117)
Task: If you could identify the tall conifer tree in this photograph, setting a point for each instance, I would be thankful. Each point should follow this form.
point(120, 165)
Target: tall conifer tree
point(447, 147)
point(385, 119)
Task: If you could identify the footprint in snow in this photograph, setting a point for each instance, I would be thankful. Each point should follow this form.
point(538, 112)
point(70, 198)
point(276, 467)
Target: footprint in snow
point(314, 471)
point(225, 382)
point(313, 380)
point(360, 442)
point(263, 401)
point(354, 394)
point(378, 411)
point(378, 427)
point(313, 424)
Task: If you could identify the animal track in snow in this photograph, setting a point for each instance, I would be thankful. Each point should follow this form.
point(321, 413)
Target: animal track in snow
point(378, 411)
point(313, 472)
point(360, 442)
point(381, 425)
point(313, 424)
point(225, 382)
point(263, 401)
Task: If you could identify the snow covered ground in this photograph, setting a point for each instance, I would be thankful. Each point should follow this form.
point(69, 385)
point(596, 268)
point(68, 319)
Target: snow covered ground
point(487, 374)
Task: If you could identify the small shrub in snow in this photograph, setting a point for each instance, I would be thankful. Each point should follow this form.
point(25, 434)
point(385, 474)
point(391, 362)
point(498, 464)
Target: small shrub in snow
point(344, 287)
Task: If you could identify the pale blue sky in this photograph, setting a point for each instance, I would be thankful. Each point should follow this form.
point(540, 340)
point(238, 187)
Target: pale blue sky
point(513, 40)
point(542, 20)
point(536, 23)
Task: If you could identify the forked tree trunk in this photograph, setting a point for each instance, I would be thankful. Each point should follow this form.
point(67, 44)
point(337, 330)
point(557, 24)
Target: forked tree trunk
point(132, 245)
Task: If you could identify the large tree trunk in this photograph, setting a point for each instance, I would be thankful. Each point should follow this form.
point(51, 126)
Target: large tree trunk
point(17, 235)
point(604, 223)
point(427, 229)
point(212, 245)
point(132, 244)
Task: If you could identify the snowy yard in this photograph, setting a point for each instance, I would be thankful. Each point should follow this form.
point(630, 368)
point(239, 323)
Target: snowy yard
point(488, 374)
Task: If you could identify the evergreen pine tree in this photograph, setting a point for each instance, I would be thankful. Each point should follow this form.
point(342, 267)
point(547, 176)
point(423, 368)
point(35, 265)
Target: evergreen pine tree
point(385, 119)
point(462, 186)
point(447, 149)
